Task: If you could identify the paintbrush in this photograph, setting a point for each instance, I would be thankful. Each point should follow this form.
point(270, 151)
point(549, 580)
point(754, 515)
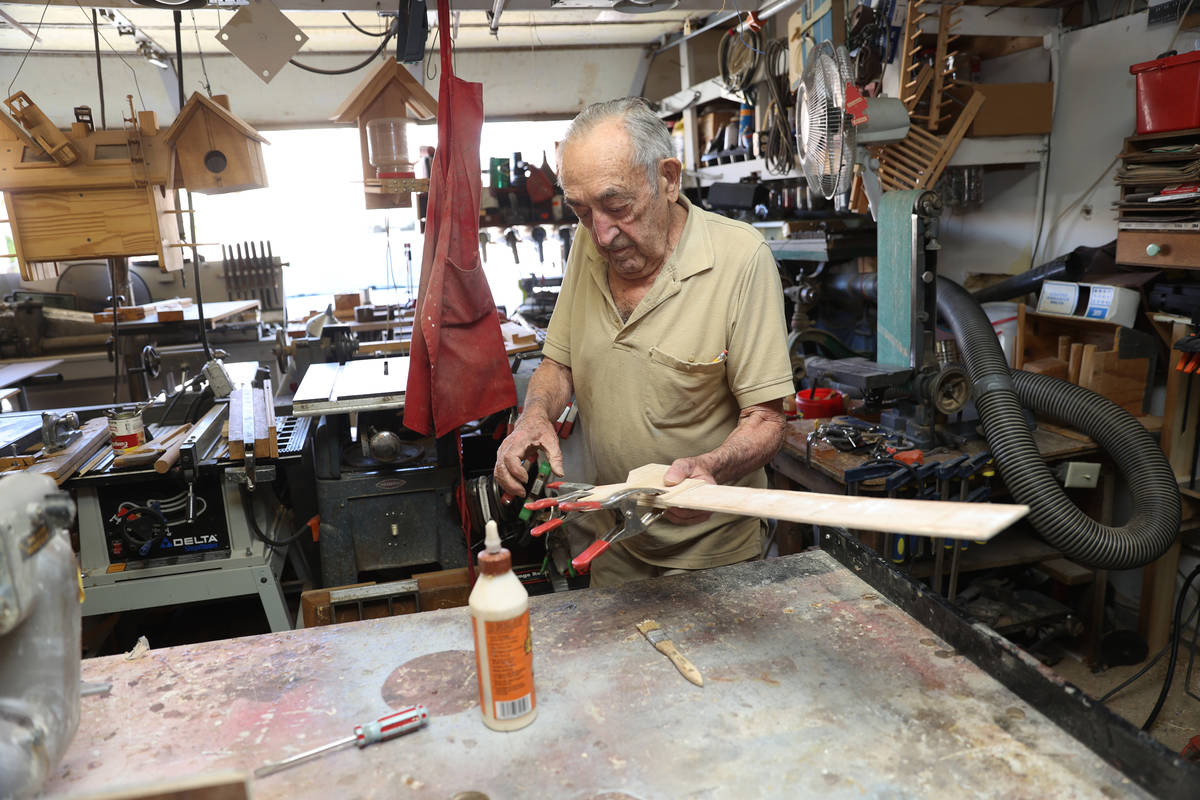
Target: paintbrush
point(655, 634)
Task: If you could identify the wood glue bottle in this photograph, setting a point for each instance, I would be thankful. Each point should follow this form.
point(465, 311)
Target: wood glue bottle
point(499, 608)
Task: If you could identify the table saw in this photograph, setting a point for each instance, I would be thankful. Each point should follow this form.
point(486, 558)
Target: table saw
point(826, 674)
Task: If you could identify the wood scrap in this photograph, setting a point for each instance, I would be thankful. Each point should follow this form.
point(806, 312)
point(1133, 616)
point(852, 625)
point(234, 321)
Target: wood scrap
point(17, 462)
point(171, 454)
point(62, 465)
point(173, 306)
point(252, 425)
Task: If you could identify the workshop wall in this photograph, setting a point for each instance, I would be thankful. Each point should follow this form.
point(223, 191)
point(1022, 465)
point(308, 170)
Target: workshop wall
point(1094, 113)
point(516, 84)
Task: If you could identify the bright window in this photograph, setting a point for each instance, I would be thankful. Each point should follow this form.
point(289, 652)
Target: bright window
point(312, 213)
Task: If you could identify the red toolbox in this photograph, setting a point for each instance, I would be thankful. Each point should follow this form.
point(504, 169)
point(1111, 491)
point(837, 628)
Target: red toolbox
point(1168, 93)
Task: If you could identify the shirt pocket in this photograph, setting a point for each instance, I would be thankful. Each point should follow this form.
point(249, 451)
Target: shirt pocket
point(678, 393)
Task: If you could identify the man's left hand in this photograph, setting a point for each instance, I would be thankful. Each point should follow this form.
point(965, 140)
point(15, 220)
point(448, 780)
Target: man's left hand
point(680, 470)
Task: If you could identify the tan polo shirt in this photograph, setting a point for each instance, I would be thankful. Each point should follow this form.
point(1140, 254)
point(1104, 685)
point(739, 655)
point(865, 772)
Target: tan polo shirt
point(707, 340)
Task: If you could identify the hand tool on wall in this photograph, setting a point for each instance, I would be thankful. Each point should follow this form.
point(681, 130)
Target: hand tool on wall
point(380, 730)
point(564, 238)
point(655, 634)
point(511, 237)
point(484, 241)
point(538, 234)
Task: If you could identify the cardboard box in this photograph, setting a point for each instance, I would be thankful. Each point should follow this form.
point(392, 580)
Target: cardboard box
point(1010, 109)
point(711, 125)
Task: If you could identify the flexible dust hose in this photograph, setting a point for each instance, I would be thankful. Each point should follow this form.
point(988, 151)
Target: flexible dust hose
point(999, 394)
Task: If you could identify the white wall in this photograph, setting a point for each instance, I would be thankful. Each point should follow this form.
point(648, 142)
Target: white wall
point(1094, 113)
point(516, 84)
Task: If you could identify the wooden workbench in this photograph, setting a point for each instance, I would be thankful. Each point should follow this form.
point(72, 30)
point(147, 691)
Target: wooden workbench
point(815, 686)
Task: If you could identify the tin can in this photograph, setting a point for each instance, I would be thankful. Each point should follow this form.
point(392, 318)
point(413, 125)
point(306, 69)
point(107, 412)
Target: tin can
point(125, 430)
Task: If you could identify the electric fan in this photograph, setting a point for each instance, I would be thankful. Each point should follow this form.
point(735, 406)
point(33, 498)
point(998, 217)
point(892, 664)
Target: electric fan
point(834, 121)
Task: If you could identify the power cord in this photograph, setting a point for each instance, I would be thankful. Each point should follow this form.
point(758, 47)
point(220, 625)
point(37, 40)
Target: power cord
point(738, 65)
point(1149, 665)
point(362, 30)
point(1176, 634)
point(248, 507)
point(383, 43)
point(780, 152)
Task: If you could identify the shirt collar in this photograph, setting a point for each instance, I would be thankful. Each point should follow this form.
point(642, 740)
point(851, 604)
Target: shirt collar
point(692, 255)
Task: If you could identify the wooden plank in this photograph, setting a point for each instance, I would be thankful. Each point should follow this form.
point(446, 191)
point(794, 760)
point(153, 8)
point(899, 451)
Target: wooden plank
point(272, 427)
point(224, 785)
point(970, 521)
point(1064, 348)
point(96, 223)
point(236, 445)
point(1067, 572)
point(1019, 338)
point(1076, 362)
point(262, 442)
point(1158, 595)
point(516, 333)
point(61, 465)
point(124, 314)
point(1054, 367)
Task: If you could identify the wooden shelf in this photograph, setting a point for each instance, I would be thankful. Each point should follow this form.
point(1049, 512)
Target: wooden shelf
point(1000, 150)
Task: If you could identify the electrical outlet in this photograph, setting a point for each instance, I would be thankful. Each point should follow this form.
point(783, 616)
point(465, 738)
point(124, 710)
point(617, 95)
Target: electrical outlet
point(1081, 475)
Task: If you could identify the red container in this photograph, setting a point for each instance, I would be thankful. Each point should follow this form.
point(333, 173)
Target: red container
point(819, 403)
point(1168, 93)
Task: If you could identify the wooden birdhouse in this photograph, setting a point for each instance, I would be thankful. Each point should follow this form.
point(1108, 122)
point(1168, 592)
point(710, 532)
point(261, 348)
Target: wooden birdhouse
point(215, 151)
point(380, 106)
point(81, 193)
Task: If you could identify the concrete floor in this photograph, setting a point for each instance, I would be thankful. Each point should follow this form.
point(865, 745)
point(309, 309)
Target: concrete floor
point(1179, 719)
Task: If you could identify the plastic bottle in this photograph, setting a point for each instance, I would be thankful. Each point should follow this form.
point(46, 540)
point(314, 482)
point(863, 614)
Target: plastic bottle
point(499, 608)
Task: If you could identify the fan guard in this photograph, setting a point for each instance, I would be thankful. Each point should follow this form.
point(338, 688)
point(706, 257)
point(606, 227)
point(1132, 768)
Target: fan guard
point(825, 137)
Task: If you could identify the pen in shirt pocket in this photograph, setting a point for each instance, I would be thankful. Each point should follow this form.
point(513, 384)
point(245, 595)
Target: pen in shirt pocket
point(721, 357)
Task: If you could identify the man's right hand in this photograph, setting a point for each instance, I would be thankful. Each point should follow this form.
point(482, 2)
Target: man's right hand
point(533, 433)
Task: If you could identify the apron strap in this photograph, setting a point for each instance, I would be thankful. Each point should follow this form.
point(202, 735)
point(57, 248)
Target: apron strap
point(443, 12)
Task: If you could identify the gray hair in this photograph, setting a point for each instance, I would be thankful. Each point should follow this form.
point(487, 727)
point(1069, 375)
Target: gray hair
point(651, 141)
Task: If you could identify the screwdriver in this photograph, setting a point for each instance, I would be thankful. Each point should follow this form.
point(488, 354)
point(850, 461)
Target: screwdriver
point(382, 729)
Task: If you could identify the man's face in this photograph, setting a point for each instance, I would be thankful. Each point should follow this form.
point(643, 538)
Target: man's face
point(628, 220)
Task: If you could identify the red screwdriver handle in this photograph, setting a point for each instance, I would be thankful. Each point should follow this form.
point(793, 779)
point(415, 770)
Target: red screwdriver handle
point(402, 721)
point(580, 505)
point(546, 526)
point(583, 561)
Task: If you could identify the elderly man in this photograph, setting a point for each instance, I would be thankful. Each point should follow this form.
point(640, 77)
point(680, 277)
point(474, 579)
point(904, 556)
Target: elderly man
point(669, 331)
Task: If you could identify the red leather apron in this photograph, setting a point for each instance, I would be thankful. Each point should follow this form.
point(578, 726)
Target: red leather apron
point(459, 370)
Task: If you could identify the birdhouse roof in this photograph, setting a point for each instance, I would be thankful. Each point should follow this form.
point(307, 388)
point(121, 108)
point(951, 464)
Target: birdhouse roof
point(198, 101)
point(389, 73)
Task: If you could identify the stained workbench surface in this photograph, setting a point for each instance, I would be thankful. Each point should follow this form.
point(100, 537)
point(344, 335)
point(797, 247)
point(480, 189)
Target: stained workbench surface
point(815, 686)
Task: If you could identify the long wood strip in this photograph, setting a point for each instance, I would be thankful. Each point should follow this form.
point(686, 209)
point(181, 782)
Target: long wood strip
point(262, 441)
point(953, 138)
point(272, 426)
point(170, 455)
point(951, 520)
point(236, 446)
